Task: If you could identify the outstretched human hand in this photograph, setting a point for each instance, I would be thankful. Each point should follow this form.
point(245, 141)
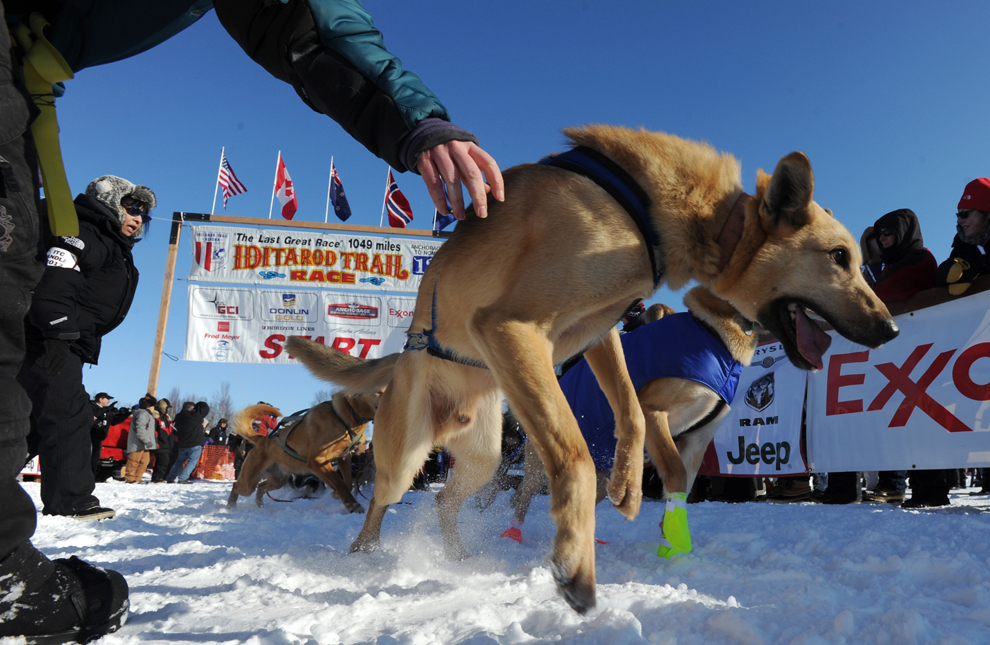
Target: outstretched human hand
point(457, 162)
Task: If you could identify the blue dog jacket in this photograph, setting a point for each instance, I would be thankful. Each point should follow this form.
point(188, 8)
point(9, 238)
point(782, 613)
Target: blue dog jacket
point(676, 346)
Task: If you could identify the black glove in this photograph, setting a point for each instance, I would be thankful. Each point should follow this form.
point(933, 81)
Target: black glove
point(56, 353)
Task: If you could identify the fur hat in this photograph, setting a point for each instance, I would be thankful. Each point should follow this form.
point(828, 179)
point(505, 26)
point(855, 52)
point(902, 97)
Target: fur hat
point(110, 190)
point(976, 195)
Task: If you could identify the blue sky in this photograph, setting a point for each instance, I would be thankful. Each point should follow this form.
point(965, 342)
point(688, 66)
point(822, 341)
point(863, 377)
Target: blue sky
point(889, 101)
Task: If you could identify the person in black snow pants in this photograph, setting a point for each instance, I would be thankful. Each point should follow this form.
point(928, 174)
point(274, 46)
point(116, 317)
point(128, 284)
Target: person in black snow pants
point(84, 294)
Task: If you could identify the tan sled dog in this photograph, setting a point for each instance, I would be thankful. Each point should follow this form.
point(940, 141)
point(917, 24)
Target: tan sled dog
point(690, 410)
point(325, 434)
point(548, 274)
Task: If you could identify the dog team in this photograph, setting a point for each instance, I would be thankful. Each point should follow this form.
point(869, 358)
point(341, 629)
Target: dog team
point(581, 238)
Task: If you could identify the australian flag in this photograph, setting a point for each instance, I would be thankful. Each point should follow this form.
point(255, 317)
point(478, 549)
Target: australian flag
point(340, 206)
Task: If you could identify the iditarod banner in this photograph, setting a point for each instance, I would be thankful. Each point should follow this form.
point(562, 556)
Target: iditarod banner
point(294, 258)
point(761, 435)
point(920, 401)
point(241, 325)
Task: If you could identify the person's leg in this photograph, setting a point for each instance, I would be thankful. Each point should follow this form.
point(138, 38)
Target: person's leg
point(181, 456)
point(160, 469)
point(190, 466)
point(63, 418)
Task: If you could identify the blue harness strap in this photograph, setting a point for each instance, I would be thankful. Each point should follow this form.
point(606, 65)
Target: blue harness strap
point(427, 340)
point(622, 187)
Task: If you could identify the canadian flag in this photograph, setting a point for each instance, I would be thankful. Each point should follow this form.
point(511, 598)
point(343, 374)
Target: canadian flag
point(285, 191)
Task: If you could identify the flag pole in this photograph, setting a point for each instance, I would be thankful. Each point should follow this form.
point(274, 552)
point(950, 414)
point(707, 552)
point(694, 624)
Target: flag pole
point(327, 216)
point(217, 185)
point(273, 185)
point(381, 222)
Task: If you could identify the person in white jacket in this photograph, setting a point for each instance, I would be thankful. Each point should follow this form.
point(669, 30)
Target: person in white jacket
point(141, 440)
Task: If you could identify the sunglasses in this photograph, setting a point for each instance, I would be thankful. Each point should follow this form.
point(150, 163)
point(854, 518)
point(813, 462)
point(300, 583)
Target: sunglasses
point(964, 214)
point(886, 232)
point(135, 209)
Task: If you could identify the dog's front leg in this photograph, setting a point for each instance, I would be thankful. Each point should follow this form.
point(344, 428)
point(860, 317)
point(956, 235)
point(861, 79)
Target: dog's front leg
point(625, 487)
point(520, 358)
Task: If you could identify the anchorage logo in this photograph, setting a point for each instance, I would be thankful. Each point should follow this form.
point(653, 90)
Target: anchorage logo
point(760, 394)
point(223, 326)
point(211, 250)
point(288, 300)
point(353, 311)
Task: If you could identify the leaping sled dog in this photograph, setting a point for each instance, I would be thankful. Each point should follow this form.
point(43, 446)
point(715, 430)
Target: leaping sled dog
point(581, 237)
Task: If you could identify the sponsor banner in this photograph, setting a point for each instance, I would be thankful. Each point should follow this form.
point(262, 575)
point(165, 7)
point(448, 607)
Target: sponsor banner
point(284, 258)
point(921, 401)
point(251, 325)
point(761, 435)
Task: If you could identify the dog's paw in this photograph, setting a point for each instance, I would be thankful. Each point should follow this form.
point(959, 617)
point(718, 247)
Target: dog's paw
point(577, 591)
point(365, 547)
point(625, 484)
point(355, 508)
point(625, 489)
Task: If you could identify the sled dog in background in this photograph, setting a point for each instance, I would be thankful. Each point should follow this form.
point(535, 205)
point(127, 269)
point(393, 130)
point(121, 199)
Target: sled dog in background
point(548, 274)
point(685, 368)
point(327, 433)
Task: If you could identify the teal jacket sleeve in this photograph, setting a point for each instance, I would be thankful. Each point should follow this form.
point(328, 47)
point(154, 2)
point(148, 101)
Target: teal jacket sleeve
point(331, 53)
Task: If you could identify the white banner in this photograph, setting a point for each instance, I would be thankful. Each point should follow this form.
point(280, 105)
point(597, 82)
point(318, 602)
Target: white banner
point(300, 258)
point(921, 401)
point(239, 325)
point(762, 433)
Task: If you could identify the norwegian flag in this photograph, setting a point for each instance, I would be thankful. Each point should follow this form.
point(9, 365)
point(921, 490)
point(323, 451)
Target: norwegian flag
point(204, 254)
point(284, 190)
point(399, 211)
point(229, 183)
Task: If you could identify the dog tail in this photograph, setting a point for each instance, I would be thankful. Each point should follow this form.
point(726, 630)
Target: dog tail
point(358, 375)
point(242, 420)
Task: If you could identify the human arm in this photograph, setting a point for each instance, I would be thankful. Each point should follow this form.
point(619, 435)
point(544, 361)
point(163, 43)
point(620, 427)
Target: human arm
point(331, 53)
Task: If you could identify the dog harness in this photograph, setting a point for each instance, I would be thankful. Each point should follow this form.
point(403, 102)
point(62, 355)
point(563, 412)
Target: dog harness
point(285, 427)
point(617, 183)
point(622, 187)
point(697, 355)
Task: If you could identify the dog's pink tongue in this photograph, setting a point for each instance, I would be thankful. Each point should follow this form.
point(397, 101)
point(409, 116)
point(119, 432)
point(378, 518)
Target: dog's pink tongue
point(812, 342)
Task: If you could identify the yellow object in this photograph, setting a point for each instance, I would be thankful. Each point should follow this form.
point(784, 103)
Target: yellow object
point(958, 288)
point(676, 536)
point(43, 66)
point(956, 270)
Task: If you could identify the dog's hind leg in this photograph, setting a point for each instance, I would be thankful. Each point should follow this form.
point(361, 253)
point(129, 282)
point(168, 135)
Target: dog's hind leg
point(535, 475)
point(521, 358)
point(403, 439)
point(608, 363)
point(476, 449)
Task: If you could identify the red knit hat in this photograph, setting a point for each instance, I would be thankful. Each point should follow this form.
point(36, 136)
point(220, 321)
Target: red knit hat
point(976, 196)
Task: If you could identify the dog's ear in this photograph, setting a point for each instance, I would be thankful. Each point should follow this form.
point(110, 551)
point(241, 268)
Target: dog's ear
point(788, 194)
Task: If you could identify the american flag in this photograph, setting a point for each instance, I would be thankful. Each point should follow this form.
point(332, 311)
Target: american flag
point(399, 211)
point(228, 181)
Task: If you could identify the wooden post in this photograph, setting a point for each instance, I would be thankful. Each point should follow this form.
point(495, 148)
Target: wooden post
point(173, 252)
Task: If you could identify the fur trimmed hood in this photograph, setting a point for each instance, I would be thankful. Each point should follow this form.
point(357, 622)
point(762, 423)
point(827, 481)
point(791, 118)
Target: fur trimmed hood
point(110, 190)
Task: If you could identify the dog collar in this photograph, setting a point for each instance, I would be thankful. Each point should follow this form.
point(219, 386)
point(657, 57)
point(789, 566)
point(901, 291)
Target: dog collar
point(622, 187)
point(732, 230)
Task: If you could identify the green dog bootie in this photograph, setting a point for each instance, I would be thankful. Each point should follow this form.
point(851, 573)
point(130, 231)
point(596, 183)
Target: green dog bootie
point(675, 523)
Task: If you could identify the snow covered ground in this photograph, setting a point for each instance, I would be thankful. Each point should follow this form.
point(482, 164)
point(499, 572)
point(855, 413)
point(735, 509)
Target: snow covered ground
point(759, 573)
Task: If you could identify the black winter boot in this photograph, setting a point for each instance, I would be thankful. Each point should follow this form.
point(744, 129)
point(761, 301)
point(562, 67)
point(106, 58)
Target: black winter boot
point(79, 603)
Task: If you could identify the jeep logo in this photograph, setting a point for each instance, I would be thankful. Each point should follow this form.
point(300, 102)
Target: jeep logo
point(768, 453)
